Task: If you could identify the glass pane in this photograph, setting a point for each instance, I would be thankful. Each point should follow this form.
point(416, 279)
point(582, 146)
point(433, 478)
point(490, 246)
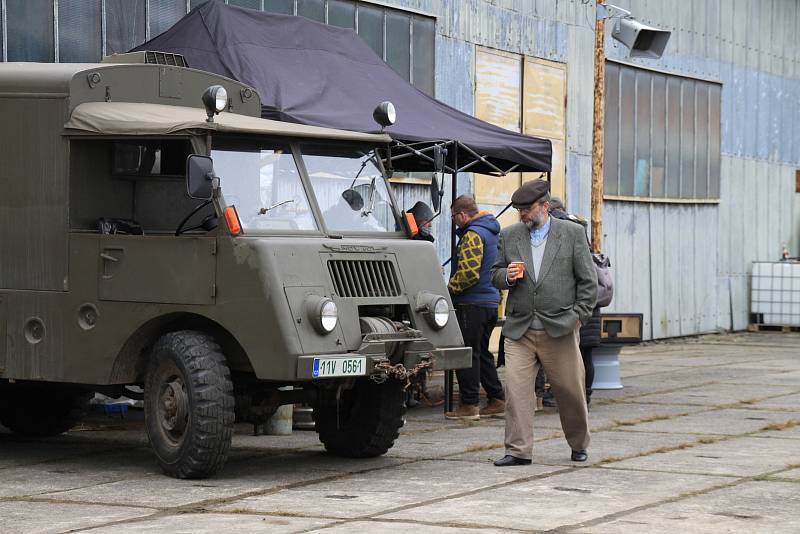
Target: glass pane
point(611, 132)
point(79, 31)
point(672, 175)
point(285, 7)
point(30, 30)
point(398, 43)
point(641, 185)
point(165, 13)
point(195, 3)
point(2, 30)
point(370, 27)
point(659, 129)
point(423, 54)
point(627, 88)
point(125, 25)
point(265, 186)
point(350, 189)
point(687, 138)
point(714, 103)
point(249, 4)
point(342, 13)
point(701, 141)
point(311, 9)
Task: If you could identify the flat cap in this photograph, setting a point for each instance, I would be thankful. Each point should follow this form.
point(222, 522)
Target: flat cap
point(422, 213)
point(530, 192)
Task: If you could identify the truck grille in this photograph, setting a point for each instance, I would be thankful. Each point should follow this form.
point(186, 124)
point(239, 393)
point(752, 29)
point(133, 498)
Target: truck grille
point(165, 58)
point(364, 278)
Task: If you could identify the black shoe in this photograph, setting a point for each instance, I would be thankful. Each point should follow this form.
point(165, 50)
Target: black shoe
point(507, 460)
point(580, 456)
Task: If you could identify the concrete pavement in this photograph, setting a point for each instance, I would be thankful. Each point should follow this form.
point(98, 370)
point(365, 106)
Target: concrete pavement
point(704, 437)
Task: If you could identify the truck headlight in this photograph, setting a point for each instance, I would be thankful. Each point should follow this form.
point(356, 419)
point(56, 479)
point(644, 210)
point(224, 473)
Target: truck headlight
point(323, 313)
point(434, 308)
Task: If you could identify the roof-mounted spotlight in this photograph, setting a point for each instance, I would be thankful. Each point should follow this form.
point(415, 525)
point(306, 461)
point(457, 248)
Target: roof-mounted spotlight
point(384, 114)
point(643, 41)
point(215, 99)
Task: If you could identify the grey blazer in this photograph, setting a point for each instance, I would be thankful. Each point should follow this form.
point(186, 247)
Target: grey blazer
point(566, 287)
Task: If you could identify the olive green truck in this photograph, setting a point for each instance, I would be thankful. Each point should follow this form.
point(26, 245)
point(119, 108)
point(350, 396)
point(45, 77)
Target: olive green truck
point(156, 232)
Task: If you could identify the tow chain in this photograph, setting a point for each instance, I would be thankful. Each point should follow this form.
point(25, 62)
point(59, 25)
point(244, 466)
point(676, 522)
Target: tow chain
point(398, 371)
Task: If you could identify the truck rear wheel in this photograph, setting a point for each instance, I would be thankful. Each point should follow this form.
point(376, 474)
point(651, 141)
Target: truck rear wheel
point(365, 421)
point(41, 410)
point(189, 404)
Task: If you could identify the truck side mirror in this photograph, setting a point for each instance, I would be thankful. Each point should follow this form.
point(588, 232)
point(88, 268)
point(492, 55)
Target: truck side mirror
point(200, 177)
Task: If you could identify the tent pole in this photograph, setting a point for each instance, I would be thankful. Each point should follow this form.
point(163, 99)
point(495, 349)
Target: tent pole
point(449, 375)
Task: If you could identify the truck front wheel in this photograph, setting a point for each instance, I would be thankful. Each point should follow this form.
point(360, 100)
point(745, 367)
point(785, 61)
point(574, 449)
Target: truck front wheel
point(365, 420)
point(189, 404)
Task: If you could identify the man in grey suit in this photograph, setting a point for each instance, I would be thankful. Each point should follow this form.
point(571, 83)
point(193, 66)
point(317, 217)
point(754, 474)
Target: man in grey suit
point(546, 265)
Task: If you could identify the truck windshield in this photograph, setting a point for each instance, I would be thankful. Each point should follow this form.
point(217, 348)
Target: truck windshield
point(265, 186)
point(350, 188)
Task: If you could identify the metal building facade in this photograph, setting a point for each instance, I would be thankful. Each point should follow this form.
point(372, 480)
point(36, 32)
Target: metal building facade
point(685, 266)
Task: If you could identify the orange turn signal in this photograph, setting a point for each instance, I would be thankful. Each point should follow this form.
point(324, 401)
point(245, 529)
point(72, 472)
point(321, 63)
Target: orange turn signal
point(232, 218)
point(412, 224)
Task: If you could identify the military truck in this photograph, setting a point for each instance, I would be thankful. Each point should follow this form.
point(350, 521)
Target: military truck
point(156, 232)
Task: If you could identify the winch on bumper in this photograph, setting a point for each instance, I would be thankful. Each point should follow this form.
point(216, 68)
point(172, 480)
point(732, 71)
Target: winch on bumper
point(400, 354)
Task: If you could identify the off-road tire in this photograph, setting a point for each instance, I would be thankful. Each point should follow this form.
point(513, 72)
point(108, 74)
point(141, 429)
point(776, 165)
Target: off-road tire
point(366, 420)
point(189, 403)
point(41, 410)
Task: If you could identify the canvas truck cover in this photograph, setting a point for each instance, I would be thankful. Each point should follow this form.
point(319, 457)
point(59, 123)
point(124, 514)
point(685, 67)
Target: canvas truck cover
point(133, 118)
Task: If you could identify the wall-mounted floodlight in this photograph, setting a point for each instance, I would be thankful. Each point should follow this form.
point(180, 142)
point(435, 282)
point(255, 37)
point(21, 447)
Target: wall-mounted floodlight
point(643, 41)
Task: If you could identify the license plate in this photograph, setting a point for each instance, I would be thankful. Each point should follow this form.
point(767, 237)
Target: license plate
point(325, 367)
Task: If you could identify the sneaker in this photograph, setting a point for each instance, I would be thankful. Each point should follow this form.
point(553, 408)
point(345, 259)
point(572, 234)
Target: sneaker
point(469, 412)
point(494, 408)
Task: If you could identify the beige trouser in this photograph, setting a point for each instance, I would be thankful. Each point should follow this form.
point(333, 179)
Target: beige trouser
point(561, 359)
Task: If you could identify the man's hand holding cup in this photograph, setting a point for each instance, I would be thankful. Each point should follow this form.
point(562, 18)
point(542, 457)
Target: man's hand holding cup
point(516, 270)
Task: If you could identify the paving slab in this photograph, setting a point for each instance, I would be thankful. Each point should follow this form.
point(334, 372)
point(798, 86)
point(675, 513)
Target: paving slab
point(789, 403)
point(717, 394)
point(748, 456)
point(399, 527)
point(792, 432)
point(745, 508)
point(727, 422)
point(558, 500)
point(791, 474)
point(606, 446)
point(253, 474)
point(19, 451)
point(88, 471)
point(213, 523)
point(767, 380)
point(358, 495)
point(632, 412)
point(47, 518)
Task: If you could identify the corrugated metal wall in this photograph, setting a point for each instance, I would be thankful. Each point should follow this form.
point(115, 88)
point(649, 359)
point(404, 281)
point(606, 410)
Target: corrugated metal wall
point(685, 267)
point(704, 253)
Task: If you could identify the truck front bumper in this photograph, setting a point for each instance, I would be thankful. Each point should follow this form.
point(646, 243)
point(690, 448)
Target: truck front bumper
point(370, 362)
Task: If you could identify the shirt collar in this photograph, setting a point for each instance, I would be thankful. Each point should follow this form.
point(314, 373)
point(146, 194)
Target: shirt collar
point(539, 234)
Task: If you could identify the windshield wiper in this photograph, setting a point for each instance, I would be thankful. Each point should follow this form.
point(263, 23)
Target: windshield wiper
point(263, 211)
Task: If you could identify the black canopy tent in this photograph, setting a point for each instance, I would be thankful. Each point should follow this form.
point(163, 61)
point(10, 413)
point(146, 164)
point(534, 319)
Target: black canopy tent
point(311, 73)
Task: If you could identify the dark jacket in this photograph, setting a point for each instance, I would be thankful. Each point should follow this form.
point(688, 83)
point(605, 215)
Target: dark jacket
point(482, 293)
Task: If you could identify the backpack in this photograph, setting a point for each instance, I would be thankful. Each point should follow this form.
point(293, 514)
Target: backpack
point(605, 284)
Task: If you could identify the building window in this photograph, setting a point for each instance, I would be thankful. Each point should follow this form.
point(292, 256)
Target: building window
point(72, 31)
point(29, 30)
point(662, 136)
